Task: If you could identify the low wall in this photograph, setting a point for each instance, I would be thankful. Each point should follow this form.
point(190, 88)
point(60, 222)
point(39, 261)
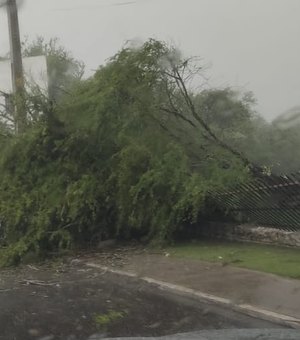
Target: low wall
point(250, 233)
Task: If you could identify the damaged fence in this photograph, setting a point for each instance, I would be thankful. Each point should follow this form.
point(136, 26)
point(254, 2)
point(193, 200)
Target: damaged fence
point(272, 201)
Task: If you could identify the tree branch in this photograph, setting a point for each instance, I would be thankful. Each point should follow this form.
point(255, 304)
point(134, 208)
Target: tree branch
point(184, 92)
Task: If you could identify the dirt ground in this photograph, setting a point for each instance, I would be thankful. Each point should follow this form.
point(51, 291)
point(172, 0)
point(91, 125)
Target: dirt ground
point(67, 300)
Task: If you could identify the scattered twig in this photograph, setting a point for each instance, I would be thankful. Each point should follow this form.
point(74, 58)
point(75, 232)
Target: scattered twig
point(32, 267)
point(7, 290)
point(37, 283)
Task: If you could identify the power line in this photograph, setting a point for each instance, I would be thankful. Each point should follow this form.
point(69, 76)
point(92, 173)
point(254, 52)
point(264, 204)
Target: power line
point(118, 4)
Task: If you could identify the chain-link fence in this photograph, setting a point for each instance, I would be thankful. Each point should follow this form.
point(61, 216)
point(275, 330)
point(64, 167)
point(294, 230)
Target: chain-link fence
point(271, 201)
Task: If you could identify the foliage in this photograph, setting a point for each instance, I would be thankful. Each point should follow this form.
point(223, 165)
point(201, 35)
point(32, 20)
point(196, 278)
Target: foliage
point(273, 146)
point(227, 113)
point(109, 162)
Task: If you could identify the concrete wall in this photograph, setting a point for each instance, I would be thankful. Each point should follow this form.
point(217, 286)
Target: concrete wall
point(250, 233)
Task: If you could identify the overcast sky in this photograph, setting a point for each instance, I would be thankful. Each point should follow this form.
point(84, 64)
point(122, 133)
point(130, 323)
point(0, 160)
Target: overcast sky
point(251, 44)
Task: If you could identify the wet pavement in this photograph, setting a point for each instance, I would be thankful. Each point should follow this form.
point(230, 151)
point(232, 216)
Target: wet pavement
point(69, 301)
point(241, 286)
point(240, 334)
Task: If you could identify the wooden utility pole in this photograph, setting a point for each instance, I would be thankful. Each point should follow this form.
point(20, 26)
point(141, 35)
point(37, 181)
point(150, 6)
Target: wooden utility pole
point(16, 65)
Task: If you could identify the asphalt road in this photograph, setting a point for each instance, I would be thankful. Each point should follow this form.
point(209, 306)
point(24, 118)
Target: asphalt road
point(241, 334)
point(73, 302)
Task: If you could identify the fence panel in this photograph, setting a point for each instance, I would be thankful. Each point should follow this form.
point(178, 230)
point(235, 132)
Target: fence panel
point(272, 201)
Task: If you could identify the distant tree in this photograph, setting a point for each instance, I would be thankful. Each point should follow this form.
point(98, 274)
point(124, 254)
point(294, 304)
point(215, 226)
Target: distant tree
point(273, 145)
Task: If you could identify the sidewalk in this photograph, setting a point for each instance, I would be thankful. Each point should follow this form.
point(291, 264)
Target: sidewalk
point(240, 286)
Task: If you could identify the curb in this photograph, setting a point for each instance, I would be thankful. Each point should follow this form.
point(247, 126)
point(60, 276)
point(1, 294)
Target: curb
point(249, 310)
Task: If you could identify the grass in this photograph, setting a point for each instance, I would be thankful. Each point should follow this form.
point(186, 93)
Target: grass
point(270, 259)
point(103, 320)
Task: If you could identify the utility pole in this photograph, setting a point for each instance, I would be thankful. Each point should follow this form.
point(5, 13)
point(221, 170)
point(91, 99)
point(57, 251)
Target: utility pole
point(16, 65)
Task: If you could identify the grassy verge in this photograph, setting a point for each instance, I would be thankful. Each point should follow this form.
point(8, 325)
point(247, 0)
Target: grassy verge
point(271, 259)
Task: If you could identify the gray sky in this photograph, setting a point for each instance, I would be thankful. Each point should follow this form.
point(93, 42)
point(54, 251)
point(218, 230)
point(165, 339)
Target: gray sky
point(251, 44)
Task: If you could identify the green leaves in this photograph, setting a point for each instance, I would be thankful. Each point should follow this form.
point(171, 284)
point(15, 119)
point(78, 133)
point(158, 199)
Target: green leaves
point(109, 164)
